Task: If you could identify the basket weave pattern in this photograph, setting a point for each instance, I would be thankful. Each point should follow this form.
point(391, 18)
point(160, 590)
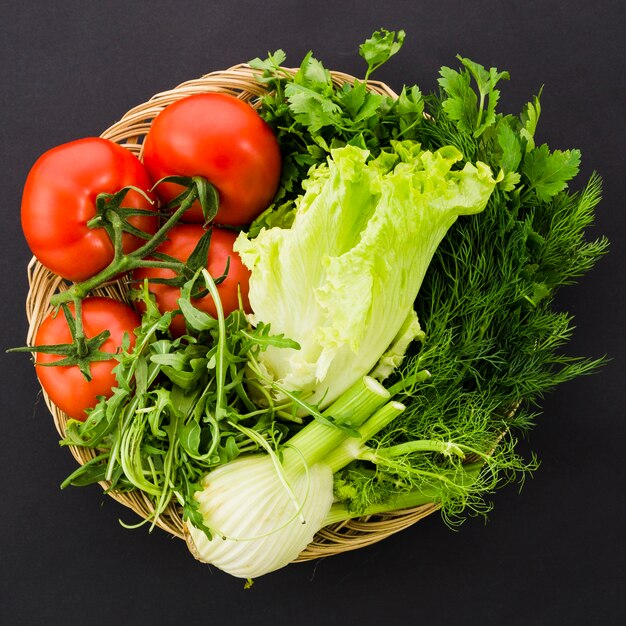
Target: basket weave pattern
point(129, 132)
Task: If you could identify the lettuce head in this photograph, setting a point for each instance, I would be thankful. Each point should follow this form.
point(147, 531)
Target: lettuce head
point(343, 279)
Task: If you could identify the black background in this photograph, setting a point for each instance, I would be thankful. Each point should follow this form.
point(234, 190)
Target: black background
point(554, 554)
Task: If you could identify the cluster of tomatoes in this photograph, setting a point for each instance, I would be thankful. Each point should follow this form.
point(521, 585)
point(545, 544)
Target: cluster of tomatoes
point(214, 136)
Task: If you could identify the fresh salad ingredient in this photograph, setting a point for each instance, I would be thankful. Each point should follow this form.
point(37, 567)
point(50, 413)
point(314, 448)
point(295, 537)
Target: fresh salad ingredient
point(264, 509)
point(123, 262)
point(223, 264)
point(342, 280)
point(311, 115)
point(180, 406)
point(274, 530)
point(89, 216)
point(109, 325)
point(492, 339)
point(222, 139)
point(65, 196)
point(251, 425)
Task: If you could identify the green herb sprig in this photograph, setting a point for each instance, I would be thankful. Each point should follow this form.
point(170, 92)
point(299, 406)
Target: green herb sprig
point(311, 115)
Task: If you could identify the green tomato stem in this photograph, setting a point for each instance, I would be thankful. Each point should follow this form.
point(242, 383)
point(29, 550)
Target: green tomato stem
point(79, 332)
point(118, 232)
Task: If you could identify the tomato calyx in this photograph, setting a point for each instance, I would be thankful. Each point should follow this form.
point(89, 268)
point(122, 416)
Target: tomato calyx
point(113, 217)
point(81, 352)
point(198, 187)
point(196, 261)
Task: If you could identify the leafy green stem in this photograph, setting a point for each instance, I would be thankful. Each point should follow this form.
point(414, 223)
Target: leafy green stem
point(220, 354)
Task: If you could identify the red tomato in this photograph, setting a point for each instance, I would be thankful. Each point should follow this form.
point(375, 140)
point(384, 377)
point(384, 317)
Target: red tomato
point(65, 385)
point(182, 239)
point(59, 199)
point(222, 139)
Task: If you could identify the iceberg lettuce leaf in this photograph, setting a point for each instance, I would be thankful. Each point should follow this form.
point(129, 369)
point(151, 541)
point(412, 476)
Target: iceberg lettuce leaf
point(343, 279)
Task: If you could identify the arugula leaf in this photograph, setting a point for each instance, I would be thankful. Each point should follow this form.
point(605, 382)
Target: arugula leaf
point(547, 173)
point(159, 433)
point(191, 510)
point(261, 339)
point(189, 435)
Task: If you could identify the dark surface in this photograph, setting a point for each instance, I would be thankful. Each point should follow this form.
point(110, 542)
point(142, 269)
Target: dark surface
point(554, 554)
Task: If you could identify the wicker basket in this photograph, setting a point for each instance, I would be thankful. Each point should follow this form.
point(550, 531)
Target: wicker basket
point(129, 132)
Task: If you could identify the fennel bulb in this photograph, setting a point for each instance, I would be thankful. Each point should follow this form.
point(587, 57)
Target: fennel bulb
point(262, 515)
point(342, 280)
point(264, 509)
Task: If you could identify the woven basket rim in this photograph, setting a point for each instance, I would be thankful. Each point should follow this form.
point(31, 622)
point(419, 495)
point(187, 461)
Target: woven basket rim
point(239, 80)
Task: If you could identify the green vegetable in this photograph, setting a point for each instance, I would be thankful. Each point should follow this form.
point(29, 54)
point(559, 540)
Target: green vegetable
point(311, 116)
point(179, 406)
point(491, 337)
point(342, 280)
point(264, 509)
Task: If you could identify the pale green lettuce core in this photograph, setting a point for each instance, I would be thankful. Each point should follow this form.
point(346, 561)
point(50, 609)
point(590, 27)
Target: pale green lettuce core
point(342, 280)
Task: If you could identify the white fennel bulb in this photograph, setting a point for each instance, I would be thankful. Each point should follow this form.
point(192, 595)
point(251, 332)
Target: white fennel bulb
point(262, 510)
point(262, 516)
